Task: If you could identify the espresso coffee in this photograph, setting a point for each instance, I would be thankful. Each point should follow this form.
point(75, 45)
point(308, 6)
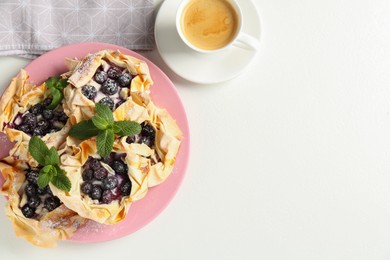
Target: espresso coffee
point(209, 24)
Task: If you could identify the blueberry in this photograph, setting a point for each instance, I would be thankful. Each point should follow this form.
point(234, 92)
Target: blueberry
point(32, 176)
point(88, 175)
point(96, 192)
point(131, 139)
point(148, 135)
point(100, 76)
point(24, 128)
point(42, 191)
point(107, 197)
point(34, 202)
point(100, 174)
point(107, 101)
point(48, 190)
point(124, 80)
point(62, 117)
point(43, 124)
point(47, 102)
point(149, 141)
point(108, 159)
point(27, 211)
point(37, 109)
point(30, 120)
point(125, 178)
point(109, 87)
point(148, 130)
point(89, 92)
point(38, 131)
point(48, 114)
point(114, 72)
point(126, 188)
point(86, 187)
point(119, 167)
point(52, 203)
point(31, 190)
point(110, 183)
point(94, 163)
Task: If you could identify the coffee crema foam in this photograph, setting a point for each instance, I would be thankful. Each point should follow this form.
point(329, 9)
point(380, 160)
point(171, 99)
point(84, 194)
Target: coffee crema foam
point(209, 24)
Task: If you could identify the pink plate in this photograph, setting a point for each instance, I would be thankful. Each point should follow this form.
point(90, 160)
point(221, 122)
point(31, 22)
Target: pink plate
point(164, 95)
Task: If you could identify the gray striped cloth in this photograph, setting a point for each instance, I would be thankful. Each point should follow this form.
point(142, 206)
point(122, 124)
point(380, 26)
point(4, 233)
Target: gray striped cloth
point(29, 28)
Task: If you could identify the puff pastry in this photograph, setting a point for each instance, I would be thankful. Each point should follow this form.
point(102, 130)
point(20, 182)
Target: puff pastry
point(149, 158)
point(161, 153)
point(25, 103)
point(107, 77)
point(51, 220)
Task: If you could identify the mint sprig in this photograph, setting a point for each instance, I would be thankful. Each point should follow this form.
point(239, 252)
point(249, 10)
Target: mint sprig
point(84, 130)
point(103, 126)
point(56, 86)
point(49, 159)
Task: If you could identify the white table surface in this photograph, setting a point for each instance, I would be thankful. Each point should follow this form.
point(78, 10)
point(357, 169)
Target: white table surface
point(291, 160)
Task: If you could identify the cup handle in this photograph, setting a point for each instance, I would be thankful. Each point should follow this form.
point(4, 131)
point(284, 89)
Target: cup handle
point(246, 41)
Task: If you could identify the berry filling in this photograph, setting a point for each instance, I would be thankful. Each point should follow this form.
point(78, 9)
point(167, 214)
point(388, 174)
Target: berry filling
point(39, 120)
point(110, 85)
point(106, 180)
point(148, 137)
point(36, 202)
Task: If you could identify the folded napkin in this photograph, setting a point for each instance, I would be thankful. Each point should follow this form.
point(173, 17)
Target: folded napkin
point(31, 27)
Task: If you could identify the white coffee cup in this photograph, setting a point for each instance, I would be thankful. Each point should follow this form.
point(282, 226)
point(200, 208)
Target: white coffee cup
point(238, 39)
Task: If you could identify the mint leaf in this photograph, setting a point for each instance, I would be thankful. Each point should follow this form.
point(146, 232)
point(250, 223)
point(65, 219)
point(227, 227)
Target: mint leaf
point(105, 142)
point(38, 150)
point(84, 130)
point(127, 128)
point(45, 175)
point(51, 82)
point(56, 82)
point(61, 181)
point(46, 170)
point(52, 157)
point(57, 98)
point(100, 122)
point(57, 169)
point(56, 85)
point(105, 112)
point(50, 160)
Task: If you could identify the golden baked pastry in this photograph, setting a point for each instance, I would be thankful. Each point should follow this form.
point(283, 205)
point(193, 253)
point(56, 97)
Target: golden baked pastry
point(107, 77)
point(36, 214)
point(141, 161)
point(24, 112)
point(147, 157)
point(104, 73)
point(102, 188)
point(158, 143)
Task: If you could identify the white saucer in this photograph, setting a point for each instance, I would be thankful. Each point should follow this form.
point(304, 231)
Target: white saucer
point(197, 67)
